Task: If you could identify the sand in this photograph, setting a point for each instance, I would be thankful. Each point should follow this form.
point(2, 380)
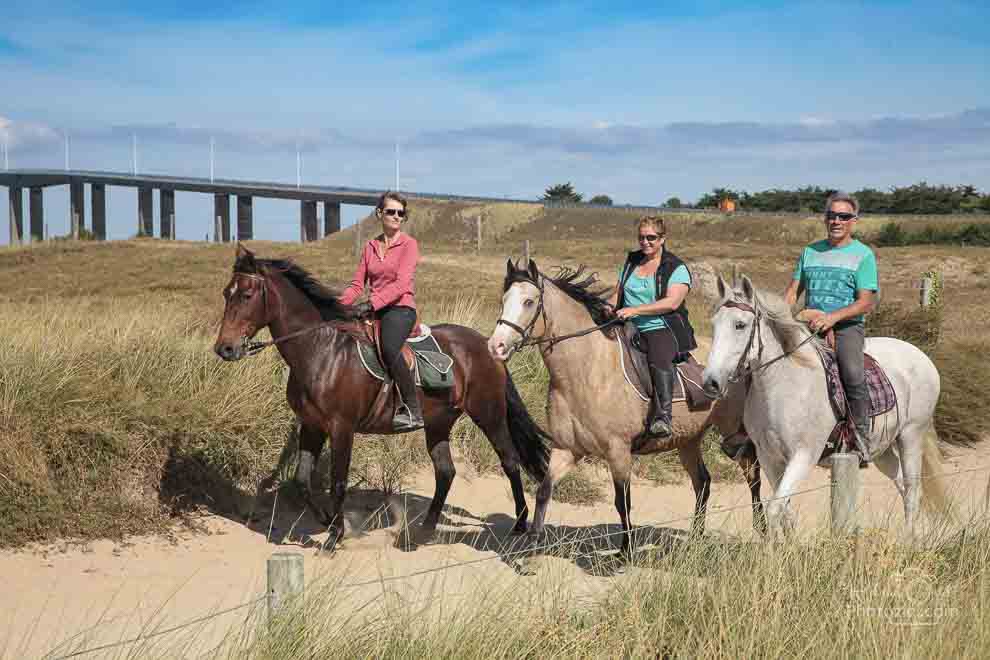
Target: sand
point(104, 591)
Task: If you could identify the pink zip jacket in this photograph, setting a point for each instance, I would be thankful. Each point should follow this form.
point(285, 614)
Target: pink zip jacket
point(390, 275)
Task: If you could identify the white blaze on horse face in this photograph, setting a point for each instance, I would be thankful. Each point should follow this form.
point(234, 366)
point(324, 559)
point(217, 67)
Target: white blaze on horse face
point(731, 329)
point(519, 306)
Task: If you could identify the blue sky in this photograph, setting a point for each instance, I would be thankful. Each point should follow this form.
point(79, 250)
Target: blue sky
point(640, 103)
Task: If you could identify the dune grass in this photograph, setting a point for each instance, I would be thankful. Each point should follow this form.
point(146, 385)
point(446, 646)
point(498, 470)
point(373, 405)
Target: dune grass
point(115, 415)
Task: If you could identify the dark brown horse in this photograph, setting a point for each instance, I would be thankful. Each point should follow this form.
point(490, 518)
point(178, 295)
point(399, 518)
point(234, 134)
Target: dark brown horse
point(332, 394)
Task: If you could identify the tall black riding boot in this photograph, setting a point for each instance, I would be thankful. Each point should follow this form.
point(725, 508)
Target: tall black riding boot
point(409, 414)
point(658, 424)
point(859, 409)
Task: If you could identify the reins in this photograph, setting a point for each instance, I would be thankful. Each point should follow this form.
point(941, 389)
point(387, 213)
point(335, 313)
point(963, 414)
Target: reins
point(552, 340)
point(741, 372)
point(252, 348)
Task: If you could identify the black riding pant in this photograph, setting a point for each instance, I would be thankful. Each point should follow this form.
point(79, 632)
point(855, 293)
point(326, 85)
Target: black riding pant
point(849, 342)
point(661, 348)
point(397, 323)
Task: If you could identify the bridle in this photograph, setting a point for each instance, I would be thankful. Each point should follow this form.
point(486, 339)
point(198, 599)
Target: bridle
point(745, 371)
point(526, 333)
point(251, 348)
point(541, 310)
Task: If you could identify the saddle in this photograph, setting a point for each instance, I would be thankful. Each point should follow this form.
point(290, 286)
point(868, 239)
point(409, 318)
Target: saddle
point(882, 398)
point(636, 369)
point(432, 366)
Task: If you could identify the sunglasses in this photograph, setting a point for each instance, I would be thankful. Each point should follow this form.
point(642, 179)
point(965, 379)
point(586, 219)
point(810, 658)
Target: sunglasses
point(401, 213)
point(844, 217)
point(649, 238)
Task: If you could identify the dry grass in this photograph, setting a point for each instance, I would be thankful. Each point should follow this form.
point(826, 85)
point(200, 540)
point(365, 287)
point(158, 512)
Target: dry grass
point(703, 598)
point(114, 414)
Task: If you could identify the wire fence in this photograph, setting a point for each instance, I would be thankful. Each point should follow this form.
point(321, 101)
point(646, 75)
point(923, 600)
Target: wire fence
point(501, 555)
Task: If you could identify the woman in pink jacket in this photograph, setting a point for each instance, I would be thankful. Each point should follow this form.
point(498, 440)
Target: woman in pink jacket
point(388, 269)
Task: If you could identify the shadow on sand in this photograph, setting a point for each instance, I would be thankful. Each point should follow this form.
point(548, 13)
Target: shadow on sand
point(277, 512)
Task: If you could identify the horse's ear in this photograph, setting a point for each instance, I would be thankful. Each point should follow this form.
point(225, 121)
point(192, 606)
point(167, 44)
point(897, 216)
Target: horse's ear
point(533, 271)
point(509, 267)
point(244, 260)
point(748, 289)
point(722, 289)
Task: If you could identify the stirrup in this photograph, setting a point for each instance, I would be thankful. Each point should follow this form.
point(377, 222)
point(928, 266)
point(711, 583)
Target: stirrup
point(664, 431)
point(403, 421)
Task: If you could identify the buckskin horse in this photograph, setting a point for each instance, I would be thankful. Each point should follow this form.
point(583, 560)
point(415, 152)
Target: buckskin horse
point(333, 396)
point(787, 407)
point(593, 411)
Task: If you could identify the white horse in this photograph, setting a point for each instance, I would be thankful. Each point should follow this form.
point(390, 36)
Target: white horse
point(787, 410)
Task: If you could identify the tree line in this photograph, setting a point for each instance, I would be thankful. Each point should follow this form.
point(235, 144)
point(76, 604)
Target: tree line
point(920, 198)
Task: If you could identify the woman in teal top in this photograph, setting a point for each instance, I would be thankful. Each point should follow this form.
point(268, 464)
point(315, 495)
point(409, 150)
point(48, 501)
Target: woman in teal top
point(653, 284)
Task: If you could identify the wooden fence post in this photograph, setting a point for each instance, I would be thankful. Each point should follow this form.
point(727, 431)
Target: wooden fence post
point(285, 580)
point(926, 292)
point(845, 493)
point(479, 233)
point(526, 253)
point(735, 276)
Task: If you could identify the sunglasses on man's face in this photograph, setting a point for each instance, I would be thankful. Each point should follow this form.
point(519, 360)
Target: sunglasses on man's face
point(400, 213)
point(844, 217)
point(649, 238)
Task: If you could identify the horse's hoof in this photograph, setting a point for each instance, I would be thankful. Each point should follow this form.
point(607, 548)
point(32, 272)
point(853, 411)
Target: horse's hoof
point(520, 528)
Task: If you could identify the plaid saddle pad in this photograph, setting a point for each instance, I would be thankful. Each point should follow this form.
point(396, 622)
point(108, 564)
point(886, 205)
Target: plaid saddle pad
point(882, 397)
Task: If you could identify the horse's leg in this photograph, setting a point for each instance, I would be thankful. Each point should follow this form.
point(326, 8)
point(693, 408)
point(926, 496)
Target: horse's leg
point(910, 443)
point(342, 442)
point(620, 464)
point(311, 441)
point(438, 444)
point(751, 470)
point(778, 516)
point(498, 435)
point(561, 462)
point(694, 463)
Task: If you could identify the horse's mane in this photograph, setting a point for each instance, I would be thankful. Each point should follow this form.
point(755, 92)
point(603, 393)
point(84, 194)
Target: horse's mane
point(323, 297)
point(785, 328)
point(577, 283)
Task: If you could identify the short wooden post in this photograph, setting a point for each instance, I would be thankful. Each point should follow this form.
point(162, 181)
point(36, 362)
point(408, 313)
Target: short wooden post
point(735, 275)
point(479, 233)
point(926, 292)
point(845, 493)
point(285, 580)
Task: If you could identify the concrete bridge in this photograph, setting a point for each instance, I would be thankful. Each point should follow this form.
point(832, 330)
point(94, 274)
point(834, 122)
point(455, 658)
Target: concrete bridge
point(35, 181)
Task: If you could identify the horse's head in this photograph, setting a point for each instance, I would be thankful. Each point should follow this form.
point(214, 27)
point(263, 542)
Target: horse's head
point(522, 301)
point(732, 336)
point(246, 311)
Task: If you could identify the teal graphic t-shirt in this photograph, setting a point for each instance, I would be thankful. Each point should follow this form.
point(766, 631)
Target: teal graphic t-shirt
point(643, 291)
point(832, 275)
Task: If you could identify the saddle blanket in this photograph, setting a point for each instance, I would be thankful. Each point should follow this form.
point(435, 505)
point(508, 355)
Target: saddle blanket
point(882, 397)
point(433, 367)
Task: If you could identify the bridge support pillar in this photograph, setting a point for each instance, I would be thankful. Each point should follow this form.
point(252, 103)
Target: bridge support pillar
point(307, 220)
point(16, 213)
point(331, 217)
point(99, 211)
point(37, 204)
point(245, 218)
point(166, 210)
point(77, 208)
point(221, 217)
point(146, 220)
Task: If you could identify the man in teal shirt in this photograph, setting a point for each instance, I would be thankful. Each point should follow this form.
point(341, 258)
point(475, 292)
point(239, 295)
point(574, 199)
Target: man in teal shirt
point(839, 276)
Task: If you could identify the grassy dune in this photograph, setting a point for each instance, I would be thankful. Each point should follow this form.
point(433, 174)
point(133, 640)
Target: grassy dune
point(115, 416)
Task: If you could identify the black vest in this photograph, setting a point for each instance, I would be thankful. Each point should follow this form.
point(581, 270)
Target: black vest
point(676, 320)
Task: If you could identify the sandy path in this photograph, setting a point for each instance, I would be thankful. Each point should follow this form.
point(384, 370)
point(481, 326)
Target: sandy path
point(145, 584)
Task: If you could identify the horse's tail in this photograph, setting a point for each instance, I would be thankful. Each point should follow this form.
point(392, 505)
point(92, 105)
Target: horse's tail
point(530, 441)
point(934, 485)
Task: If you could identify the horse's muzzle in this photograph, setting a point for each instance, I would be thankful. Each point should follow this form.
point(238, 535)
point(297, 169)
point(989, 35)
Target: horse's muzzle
point(228, 352)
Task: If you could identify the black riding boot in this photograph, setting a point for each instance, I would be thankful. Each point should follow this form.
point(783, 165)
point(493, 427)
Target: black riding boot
point(658, 423)
point(859, 412)
point(409, 414)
